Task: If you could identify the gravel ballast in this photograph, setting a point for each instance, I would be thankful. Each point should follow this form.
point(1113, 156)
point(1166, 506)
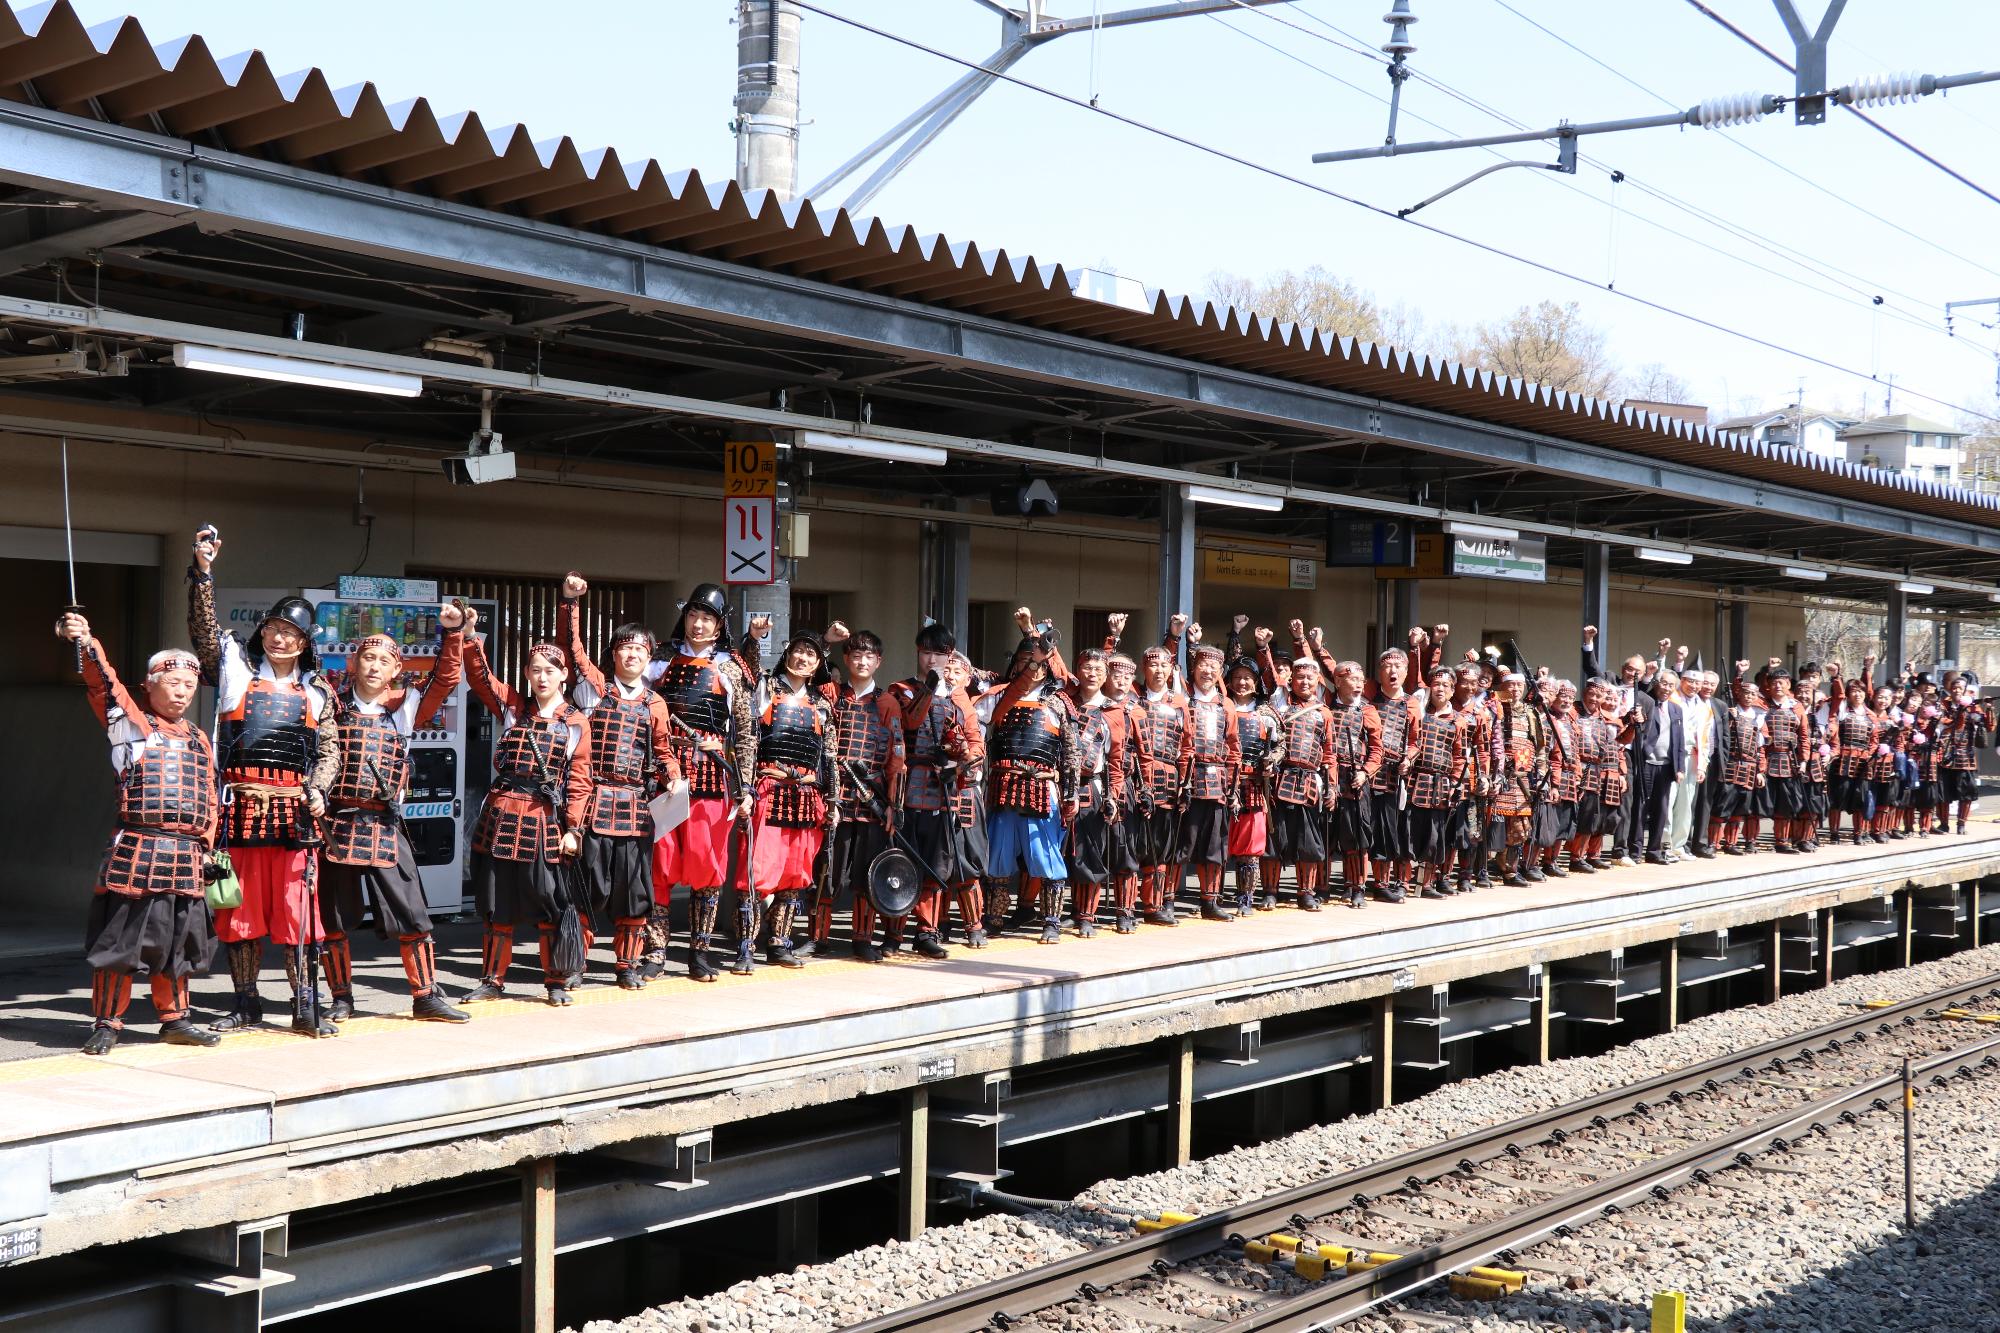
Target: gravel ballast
point(878, 1278)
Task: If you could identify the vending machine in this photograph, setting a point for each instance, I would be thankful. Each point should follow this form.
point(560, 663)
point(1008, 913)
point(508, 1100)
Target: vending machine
point(448, 777)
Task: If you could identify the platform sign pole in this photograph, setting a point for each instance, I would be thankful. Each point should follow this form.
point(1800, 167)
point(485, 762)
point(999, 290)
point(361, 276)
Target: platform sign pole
point(750, 518)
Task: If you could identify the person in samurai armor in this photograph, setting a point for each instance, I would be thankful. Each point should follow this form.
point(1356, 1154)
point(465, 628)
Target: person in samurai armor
point(968, 807)
point(1856, 730)
point(1885, 782)
point(1389, 820)
point(1520, 766)
point(1819, 758)
point(1214, 764)
point(711, 694)
point(1436, 771)
point(1785, 763)
point(941, 744)
point(1165, 748)
point(368, 857)
point(1035, 761)
point(1123, 715)
point(147, 909)
point(272, 710)
point(1301, 784)
point(1600, 794)
point(1964, 725)
point(1466, 830)
point(533, 816)
point(1359, 756)
point(1744, 802)
point(870, 736)
point(1926, 750)
point(798, 799)
point(1555, 821)
point(1101, 794)
point(631, 758)
point(1256, 732)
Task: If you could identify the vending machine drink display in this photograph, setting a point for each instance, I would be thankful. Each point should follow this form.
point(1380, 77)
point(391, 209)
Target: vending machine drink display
point(436, 804)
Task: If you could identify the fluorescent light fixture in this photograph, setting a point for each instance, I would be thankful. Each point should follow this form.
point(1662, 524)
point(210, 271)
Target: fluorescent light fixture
point(1216, 495)
point(1488, 531)
point(1920, 589)
point(1659, 557)
point(1809, 575)
point(289, 370)
point(867, 447)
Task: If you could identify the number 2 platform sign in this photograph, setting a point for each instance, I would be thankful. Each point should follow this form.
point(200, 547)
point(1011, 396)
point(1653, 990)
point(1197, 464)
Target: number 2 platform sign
point(750, 512)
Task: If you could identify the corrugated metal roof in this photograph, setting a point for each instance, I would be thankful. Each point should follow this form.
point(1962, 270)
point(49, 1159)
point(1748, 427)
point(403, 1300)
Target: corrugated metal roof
point(113, 72)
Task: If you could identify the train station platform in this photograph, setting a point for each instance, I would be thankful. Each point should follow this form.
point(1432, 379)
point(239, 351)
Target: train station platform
point(211, 1150)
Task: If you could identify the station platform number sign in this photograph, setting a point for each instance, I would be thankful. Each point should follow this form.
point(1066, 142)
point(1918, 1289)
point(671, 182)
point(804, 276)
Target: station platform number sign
point(750, 512)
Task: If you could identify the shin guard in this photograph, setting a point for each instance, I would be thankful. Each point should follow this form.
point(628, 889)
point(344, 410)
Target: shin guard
point(110, 993)
point(170, 996)
point(498, 950)
point(419, 963)
point(339, 965)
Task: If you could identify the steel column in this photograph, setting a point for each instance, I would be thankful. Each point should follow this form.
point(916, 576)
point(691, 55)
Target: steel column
point(1825, 947)
point(1953, 645)
point(1406, 611)
point(1739, 636)
point(1382, 1070)
point(1774, 961)
point(1895, 633)
point(1670, 985)
point(1177, 558)
point(538, 1246)
point(1180, 1101)
point(1544, 1015)
point(914, 1163)
point(1597, 597)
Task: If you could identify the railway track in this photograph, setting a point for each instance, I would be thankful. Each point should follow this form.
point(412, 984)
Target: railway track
point(1412, 1219)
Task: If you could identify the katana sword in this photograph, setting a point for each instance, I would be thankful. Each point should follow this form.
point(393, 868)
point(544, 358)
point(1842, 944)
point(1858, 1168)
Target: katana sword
point(75, 607)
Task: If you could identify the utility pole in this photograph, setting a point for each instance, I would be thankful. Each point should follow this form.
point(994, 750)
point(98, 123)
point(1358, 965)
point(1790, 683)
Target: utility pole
point(767, 96)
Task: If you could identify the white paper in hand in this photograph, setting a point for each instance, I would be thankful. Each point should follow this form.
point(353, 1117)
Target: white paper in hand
point(669, 810)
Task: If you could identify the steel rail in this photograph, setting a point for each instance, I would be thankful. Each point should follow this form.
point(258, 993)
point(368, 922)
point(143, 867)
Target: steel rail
point(1337, 1301)
point(1021, 1294)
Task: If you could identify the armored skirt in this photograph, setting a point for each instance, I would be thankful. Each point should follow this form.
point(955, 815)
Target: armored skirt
point(161, 934)
point(395, 890)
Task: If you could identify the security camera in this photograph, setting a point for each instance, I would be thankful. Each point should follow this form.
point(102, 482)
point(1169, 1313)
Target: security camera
point(484, 460)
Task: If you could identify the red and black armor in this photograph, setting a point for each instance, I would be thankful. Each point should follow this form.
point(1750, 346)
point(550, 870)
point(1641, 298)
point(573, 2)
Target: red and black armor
point(933, 748)
point(621, 759)
point(374, 769)
point(1602, 759)
point(1565, 768)
point(1855, 734)
point(1517, 745)
point(1747, 735)
point(1882, 767)
point(1396, 718)
point(1208, 728)
point(1816, 766)
point(522, 820)
point(270, 738)
point(866, 741)
point(1351, 742)
point(792, 760)
point(166, 804)
point(1093, 743)
point(1163, 726)
point(697, 694)
point(1958, 737)
point(1782, 722)
point(1302, 731)
point(1439, 770)
point(1254, 739)
point(1025, 744)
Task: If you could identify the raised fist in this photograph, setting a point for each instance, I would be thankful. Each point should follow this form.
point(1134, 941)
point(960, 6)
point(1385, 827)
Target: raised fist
point(760, 626)
point(1024, 620)
point(1681, 653)
point(1263, 637)
point(471, 614)
point(1590, 634)
point(451, 615)
point(1774, 662)
point(1238, 623)
point(1666, 644)
point(1177, 624)
point(1316, 637)
point(1194, 631)
point(1440, 632)
point(207, 546)
point(1742, 668)
point(574, 586)
point(73, 627)
point(837, 632)
point(1298, 629)
point(1114, 623)
point(1417, 636)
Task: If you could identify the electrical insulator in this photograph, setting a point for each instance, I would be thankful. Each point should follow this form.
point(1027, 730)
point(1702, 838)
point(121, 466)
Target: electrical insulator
point(1734, 109)
point(1399, 20)
point(1888, 89)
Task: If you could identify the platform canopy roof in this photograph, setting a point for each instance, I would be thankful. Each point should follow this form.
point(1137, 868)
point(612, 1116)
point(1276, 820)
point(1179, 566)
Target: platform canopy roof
point(154, 194)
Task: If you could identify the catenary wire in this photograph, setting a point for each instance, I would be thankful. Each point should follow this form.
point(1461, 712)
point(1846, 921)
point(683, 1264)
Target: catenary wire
point(1275, 173)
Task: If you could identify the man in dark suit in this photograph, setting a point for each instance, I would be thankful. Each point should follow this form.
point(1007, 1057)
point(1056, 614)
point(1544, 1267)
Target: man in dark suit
point(1659, 755)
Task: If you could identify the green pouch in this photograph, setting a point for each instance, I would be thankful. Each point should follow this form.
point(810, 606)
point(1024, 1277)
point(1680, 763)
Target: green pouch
point(224, 889)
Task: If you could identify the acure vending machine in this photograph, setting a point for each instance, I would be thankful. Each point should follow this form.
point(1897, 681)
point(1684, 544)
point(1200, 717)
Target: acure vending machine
point(450, 760)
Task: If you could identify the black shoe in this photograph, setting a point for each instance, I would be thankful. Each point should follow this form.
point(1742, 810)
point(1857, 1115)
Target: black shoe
point(1086, 929)
point(1784, 849)
point(1812, 844)
point(1583, 867)
point(991, 928)
point(746, 959)
point(1246, 903)
point(651, 968)
point(1051, 931)
point(341, 1009)
point(1392, 892)
point(486, 990)
point(866, 952)
point(781, 955)
point(1124, 924)
point(1485, 881)
point(1554, 870)
point(1025, 914)
point(1704, 852)
point(245, 1011)
point(559, 997)
point(1656, 858)
point(975, 938)
point(180, 1032)
point(891, 946)
point(1431, 891)
point(1732, 849)
point(435, 1008)
point(1211, 910)
point(309, 1025)
point(804, 947)
point(1163, 917)
point(102, 1038)
point(1357, 896)
point(1513, 880)
point(700, 966)
point(1308, 901)
point(1444, 888)
point(629, 979)
point(928, 946)
point(1269, 903)
point(1533, 874)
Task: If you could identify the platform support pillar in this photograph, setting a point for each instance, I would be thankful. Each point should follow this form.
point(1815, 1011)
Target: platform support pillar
point(1895, 633)
point(1545, 1003)
point(1178, 561)
point(1774, 961)
point(538, 1246)
point(797, 1238)
point(1670, 985)
point(1180, 1100)
point(1597, 597)
point(1826, 946)
point(913, 1161)
point(1906, 932)
point(1972, 908)
point(1381, 1069)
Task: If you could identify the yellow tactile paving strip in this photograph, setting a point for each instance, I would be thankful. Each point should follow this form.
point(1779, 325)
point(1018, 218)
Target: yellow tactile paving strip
point(141, 1050)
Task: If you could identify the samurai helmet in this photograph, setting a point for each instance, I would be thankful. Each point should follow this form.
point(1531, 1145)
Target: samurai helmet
point(713, 599)
point(294, 613)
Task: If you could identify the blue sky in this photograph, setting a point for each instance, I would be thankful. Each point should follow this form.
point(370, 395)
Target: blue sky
point(655, 78)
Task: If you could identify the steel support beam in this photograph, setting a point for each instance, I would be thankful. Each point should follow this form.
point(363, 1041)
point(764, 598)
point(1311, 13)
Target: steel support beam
point(76, 241)
point(1405, 610)
point(1177, 558)
point(538, 1246)
point(913, 1163)
point(1953, 641)
point(1895, 633)
point(126, 169)
point(1382, 1070)
point(1670, 985)
point(1180, 1100)
point(1597, 595)
point(1739, 637)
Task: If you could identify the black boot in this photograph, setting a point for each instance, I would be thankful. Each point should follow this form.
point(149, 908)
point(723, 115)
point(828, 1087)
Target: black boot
point(246, 1007)
point(341, 1009)
point(309, 1016)
point(866, 952)
point(180, 1032)
point(746, 957)
point(700, 966)
point(781, 955)
point(102, 1038)
point(434, 1008)
point(928, 946)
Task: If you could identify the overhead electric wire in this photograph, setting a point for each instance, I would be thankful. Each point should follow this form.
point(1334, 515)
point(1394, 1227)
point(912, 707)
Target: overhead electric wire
point(1721, 223)
point(1738, 143)
point(1866, 119)
point(1275, 173)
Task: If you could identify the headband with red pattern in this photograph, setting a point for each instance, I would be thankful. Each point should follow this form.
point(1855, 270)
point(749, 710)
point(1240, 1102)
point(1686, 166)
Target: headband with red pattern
point(554, 654)
point(382, 641)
